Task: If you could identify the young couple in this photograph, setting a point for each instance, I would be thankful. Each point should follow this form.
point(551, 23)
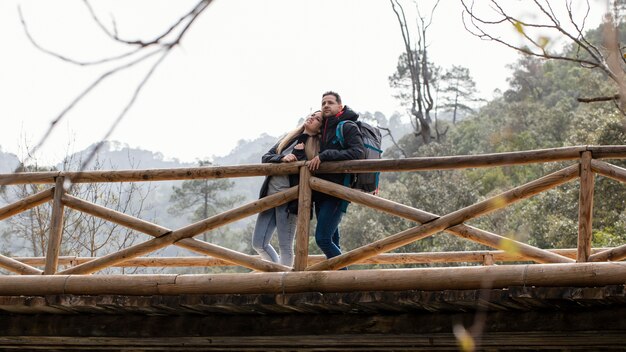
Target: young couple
point(315, 140)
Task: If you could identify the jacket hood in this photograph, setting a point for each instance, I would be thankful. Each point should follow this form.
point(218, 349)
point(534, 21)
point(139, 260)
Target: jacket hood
point(347, 114)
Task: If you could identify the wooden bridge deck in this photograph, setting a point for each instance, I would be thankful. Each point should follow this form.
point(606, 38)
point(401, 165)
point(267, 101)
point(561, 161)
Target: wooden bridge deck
point(537, 318)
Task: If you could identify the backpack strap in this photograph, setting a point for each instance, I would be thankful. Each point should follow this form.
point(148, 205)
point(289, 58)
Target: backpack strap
point(347, 180)
point(373, 148)
point(339, 132)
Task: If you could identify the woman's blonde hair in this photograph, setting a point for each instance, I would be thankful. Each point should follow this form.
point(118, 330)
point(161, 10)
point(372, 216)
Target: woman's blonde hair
point(311, 147)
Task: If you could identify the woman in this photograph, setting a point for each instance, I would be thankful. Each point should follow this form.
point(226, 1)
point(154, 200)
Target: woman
point(299, 144)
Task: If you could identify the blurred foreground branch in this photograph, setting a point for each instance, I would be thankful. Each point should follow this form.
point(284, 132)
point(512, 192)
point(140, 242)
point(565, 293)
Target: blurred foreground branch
point(139, 51)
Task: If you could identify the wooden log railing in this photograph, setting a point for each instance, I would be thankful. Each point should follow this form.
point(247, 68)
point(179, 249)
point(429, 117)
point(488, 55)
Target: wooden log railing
point(477, 256)
point(587, 165)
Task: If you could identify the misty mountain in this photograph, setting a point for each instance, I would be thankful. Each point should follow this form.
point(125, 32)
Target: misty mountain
point(247, 151)
point(8, 162)
point(118, 156)
point(113, 155)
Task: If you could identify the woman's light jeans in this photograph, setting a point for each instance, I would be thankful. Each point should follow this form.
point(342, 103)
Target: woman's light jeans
point(285, 224)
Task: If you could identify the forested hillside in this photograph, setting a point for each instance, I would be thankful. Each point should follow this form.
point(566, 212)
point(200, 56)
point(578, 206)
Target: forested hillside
point(539, 110)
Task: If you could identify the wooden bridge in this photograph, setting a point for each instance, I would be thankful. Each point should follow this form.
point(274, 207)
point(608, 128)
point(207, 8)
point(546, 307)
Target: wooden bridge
point(567, 298)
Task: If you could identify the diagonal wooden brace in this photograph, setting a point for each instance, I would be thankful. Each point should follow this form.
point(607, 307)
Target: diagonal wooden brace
point(455, 218)
point(185, 232)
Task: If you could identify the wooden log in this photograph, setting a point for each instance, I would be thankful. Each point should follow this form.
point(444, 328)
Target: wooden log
point(230, 255)
point(20, 178)
point(573, 252)
point(186, 232)
point(17, 266)
point(455, 218)
point(158, 231)
point(40, 261)
point(585, 207)
point(453, 257)
point(619, 174)
point(148, 262)
point(26, 203)
point(515, 248)
point(56, 228)
point(608, 151)
point(454, 162)
point(428, 279)
point(576, 274)
point(614, 254)
point(165, 262)
point(154, 174)
point(204, 261)
point(304, 221)
point(488, 260)
point(462, 230)
point(384, 258)
point(114, 216)
point(430, 163)
point(611, 171)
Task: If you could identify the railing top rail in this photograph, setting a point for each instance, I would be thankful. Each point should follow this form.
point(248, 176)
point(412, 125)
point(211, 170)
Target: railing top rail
point(457, 161)
point(607, 151)
point(148, 175)
point(384, 165)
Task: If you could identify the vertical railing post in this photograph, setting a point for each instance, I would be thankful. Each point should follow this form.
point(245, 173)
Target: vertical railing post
point(488, 260)
point(56, 228)
point(304, 220)
point(585, 207)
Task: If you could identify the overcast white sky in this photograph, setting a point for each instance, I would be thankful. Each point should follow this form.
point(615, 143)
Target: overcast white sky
point(246, 67)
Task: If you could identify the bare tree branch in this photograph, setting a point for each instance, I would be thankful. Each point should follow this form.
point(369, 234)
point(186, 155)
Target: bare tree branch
point(419, 70)
point(84, 93)
point(190, 16)
point(163, 47)
point(123, 113)
point(598, 99)
point(65, 58)
point(480, 32)
point(393, 140)
point(609, 58)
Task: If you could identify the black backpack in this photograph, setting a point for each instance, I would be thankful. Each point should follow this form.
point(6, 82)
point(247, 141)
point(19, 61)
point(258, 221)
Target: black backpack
point(372, 140)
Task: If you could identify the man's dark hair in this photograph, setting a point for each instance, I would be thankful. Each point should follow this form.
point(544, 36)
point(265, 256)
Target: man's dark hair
point(336, 95)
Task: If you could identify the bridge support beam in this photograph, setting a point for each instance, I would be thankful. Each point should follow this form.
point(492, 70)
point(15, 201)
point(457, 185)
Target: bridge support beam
point(427, 279)
point(569, 319)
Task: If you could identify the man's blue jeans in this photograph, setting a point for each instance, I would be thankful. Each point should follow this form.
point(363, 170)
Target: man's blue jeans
point(329, 213)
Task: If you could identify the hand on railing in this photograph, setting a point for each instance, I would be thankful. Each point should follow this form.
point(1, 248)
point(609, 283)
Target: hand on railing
point(314, 163)
point(289, 158)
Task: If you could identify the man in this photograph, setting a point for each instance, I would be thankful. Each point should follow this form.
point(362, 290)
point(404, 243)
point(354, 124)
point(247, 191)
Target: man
point(328, 209)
